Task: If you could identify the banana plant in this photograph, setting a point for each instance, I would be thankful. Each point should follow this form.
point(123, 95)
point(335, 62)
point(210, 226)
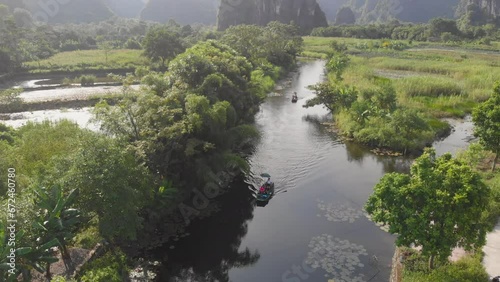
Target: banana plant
point(57, 220)
point(26, 258)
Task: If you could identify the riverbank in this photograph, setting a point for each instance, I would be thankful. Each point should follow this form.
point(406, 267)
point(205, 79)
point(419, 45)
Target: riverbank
point(441, 82)
point(15, 79)
point(492, 252)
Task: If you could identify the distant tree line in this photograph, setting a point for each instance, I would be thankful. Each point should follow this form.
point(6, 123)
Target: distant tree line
point(437, 29)
point(22, 39)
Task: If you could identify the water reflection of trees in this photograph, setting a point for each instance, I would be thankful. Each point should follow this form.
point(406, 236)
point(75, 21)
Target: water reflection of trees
point(212, 248)
point(357, 153)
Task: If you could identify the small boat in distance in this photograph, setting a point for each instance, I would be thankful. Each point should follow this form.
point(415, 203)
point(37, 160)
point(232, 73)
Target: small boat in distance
point(294, 97)
point(266, 191)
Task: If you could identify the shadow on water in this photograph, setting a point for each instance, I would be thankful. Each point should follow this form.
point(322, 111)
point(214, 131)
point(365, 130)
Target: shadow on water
point(213, 244)
point(358, 153)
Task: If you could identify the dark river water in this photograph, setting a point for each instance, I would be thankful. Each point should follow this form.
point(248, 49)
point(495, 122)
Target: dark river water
point(314, 229)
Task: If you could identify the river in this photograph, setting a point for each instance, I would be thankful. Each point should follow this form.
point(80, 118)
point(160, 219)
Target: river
point(314, 229)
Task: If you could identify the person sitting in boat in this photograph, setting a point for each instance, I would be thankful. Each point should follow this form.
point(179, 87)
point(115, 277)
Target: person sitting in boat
point(268, 184)
point(262, 189)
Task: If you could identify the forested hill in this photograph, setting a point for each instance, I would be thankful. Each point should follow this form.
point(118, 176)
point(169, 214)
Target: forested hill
point(70, 11)
point(205, 11)
point(369, 11)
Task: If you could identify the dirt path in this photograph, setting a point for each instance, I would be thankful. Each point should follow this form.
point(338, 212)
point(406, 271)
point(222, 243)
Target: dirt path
point(78, 93)
point(491, 251)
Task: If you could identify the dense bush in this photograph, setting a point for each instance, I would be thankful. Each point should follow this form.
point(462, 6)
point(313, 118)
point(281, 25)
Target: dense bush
point(10, 100)
point(87, 80)
point(467, 269)
point(112, 267)
point(438, 28)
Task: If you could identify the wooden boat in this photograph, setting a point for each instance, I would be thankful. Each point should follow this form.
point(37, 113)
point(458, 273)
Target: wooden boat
point(267, 195)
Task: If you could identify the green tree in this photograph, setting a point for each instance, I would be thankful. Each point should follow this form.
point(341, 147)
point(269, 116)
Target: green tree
point(6, 63)
point(438, 26)
point(408, 127)
point(486, 118)
point(333, 96)
point(106, 46)
point(216, 71)
point(23, 18)
point(161, 43)
point(282, 44)
point(112, 185)
point(247, 40)
point(438, 207)
point(27, 257)
point(57, 219)
point(337, 58)
point(191, 120)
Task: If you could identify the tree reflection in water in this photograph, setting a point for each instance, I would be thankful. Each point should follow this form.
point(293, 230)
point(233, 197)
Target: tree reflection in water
point(212, 248)
point(357, 152)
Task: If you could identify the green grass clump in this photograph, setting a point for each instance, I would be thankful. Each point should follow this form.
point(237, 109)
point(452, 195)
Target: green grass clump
point(439, 127)
point(89, 237)
point(438, 80)
point(431, 86)
point(466, 269)
point(441, 107)
point(88, 59)
point(87, 80)
point(314, 55)
point(112, 267)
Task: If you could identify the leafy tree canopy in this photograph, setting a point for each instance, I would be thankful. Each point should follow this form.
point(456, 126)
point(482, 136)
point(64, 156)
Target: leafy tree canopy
point(438, 207)
point(487, 121)
point(162, 43)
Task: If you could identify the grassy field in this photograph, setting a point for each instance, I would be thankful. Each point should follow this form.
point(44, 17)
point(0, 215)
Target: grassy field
point(88, 59)
point(442, 80)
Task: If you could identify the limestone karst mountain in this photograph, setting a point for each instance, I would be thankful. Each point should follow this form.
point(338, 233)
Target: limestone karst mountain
point(307, 14)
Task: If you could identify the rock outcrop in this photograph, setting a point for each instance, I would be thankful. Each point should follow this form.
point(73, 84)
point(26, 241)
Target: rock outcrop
point(307, 14)
point(490, 8)
point(380, 11)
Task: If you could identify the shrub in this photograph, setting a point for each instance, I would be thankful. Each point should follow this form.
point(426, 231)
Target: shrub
point(132, 44)
point(112, 267)
point(10, 100)
point(66, 81)
point(87, 80)
point(466, 269)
